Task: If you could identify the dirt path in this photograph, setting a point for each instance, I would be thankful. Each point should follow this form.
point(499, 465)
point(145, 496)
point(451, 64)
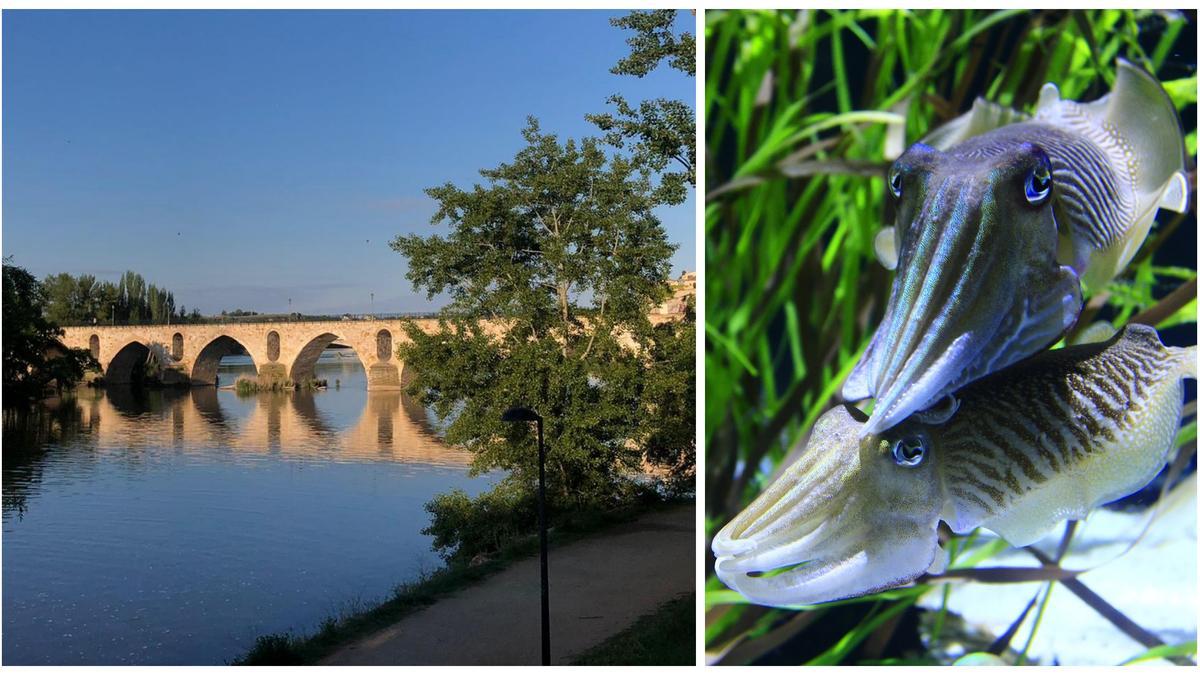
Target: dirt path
point(598, 587)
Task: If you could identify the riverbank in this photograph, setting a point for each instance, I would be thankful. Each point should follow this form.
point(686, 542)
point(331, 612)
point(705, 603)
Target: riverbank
point(601, 582)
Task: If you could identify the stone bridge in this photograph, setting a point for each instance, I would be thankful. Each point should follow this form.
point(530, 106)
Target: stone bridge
point(280, 350)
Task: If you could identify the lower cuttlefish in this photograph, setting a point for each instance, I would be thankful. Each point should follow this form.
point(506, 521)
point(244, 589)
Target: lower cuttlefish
point(1042, 441)
point(999, 216)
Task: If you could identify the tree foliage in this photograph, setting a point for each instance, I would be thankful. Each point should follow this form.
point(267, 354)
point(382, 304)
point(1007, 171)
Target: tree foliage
point(34, 358)
point(560, 223)
point(561, 248)
point(72, 300)
point(654, 40)
point(668, 432)
point(661, 133)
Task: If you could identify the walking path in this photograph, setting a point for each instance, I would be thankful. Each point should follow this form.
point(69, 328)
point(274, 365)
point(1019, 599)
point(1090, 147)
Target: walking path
point(598, 587)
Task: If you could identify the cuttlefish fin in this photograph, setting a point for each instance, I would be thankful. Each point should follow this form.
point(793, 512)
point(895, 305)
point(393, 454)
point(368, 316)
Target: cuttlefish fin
point(885, 247)
point(1136, 126)
point(983, 117)
point(1100, 331)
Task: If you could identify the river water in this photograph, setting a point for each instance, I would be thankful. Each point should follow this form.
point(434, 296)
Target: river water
point(174, 527)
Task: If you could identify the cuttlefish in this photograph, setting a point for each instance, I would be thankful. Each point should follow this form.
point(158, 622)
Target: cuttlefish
point(998, 218)
point(1043, 441)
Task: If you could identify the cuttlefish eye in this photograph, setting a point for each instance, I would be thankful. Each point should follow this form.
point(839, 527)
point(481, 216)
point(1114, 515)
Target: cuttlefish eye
point(1038, 183)
point(909, 451)
point(894, 181)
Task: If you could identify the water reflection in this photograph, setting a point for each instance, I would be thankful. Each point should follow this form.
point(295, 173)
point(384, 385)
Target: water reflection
point(174, 527)
point(391, 426)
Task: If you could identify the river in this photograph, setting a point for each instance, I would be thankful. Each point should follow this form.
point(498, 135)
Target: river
point(174, 527)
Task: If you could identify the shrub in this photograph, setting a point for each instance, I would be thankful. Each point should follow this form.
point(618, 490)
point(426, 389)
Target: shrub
point(463, 528)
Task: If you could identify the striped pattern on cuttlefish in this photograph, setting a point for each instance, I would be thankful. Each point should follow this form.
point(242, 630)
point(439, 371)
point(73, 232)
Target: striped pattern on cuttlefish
point(1045, 440)
point(998, 218)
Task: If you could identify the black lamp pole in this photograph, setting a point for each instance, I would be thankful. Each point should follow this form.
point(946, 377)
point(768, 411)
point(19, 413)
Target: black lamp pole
point(527, 415)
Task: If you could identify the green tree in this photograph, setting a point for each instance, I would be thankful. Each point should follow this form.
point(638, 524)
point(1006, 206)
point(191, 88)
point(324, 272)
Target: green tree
point(58, 296)
point(82, 300)
point(87, 296)
point(561, 247)
point(33, 356)
point(661, 133)
point(668, 399)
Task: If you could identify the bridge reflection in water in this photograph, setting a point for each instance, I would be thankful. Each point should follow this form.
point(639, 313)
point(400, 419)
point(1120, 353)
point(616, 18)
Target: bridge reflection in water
point(391, 427)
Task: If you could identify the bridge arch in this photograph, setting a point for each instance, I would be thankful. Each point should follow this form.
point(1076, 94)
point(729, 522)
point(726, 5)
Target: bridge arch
point(304, 365)
point(94, 346)
point(177, 346)
point(204, 368)
point(125, 365)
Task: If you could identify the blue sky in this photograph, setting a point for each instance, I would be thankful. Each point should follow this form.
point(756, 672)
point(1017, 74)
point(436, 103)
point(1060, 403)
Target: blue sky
point(244, 158)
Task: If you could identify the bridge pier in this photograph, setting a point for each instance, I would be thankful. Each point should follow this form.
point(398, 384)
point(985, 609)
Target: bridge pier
point(383, 376)
point(272, 374)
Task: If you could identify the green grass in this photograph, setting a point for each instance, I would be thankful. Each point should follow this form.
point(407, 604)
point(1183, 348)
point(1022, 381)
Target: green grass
point(665, 638)
point(804, 111)
point(245, 386)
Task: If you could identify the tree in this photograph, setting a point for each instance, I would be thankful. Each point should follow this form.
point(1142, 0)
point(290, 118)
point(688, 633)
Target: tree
point(33, 356)
point(58, 297)
point(668, 431)
point(81, 300)
point(561, 247)
point(660, 132)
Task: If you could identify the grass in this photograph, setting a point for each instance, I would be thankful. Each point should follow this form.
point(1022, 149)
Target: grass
point(246, 386)
point(665, 638)
point(338, 631)
point(804, 110)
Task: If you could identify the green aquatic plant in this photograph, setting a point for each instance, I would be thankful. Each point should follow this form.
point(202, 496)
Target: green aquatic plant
point(804, 112)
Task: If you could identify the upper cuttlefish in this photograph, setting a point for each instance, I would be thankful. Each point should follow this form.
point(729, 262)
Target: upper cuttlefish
point(999, 216)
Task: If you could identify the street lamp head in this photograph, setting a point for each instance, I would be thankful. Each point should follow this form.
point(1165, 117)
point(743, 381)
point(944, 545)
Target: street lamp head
point(519, 414)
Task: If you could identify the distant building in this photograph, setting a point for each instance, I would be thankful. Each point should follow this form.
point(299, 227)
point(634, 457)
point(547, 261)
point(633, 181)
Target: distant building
point(682, 288)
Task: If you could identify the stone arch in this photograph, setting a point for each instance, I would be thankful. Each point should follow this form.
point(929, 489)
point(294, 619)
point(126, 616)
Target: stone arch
point(304, 365)
point(127, 363)
point(273, 346)
point(177, 346)
point(204, 369)
point(94, 346)
point(383, 345)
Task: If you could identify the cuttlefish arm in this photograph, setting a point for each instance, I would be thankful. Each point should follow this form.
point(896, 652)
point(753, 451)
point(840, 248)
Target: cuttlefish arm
point(988, 259)
point(1043, 441)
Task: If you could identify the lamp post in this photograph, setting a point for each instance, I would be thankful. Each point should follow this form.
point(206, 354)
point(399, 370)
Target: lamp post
point(526, 415)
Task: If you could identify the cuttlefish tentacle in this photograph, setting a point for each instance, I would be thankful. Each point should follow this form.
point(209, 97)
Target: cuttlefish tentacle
point(998, 219)
point(1042, 441)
